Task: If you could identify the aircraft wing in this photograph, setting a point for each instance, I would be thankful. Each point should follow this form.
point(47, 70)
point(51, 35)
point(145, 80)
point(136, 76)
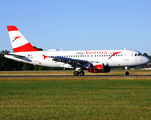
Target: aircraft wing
point(21, 57)
point(73, 62)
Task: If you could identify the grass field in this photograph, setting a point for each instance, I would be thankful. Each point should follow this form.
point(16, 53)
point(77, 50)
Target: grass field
point(75, 98)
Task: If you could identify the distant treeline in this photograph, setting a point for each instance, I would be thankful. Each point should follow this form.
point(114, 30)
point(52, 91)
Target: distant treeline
point(8, 64)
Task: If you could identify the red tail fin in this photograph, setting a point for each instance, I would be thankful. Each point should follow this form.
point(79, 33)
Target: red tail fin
point(18, 41)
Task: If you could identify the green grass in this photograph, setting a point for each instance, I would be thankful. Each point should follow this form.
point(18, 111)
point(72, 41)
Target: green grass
point(76, 99)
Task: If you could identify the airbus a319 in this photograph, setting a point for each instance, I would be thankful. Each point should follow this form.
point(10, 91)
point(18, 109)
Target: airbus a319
point(94, 61)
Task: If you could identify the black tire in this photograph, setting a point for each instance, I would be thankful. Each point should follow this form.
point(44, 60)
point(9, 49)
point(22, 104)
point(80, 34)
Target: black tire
point(126, 73)
point(81, 73)
point(75, 73)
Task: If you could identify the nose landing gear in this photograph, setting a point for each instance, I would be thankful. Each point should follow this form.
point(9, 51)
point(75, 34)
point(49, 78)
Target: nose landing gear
point(126, 73)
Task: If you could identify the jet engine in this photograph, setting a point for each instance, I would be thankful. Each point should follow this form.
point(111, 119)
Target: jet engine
point(98, 68)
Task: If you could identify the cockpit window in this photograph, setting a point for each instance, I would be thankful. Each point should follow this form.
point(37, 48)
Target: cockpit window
point(138, 54)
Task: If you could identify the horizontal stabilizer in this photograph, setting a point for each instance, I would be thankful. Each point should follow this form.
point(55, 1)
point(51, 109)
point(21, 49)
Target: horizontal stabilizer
point(17, 57)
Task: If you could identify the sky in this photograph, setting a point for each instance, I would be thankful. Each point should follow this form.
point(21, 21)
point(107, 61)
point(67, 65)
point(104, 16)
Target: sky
point(79, 24)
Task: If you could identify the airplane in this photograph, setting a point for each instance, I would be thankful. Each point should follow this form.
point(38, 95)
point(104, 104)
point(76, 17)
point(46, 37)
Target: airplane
point(94, 61)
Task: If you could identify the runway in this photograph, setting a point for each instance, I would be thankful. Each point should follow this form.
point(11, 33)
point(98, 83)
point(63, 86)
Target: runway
point(70, 76)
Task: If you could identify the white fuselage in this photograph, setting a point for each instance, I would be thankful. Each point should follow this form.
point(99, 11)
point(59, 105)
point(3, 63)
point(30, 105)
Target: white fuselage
point(111, 58)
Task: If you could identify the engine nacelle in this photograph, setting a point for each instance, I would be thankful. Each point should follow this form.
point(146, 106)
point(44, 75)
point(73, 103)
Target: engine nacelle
point(98, 68)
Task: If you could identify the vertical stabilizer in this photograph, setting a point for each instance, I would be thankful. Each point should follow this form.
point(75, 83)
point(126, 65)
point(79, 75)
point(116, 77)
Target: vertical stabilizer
point(18, 41)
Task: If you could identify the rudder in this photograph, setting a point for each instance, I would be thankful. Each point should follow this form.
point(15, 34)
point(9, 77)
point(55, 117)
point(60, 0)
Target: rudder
point(18, 41)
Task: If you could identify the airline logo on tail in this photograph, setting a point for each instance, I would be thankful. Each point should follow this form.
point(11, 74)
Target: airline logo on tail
point(15, 38)
point(21, 45)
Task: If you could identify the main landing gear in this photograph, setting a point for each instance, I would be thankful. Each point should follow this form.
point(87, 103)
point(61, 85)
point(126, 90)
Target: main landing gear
point(126, 73)
point(76, 73)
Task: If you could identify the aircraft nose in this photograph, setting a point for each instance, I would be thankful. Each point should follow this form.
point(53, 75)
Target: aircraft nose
point(147, 60)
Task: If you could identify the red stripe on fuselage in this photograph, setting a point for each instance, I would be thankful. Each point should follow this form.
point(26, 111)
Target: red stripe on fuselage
point(25, 48)
point(11, 28)
point(114, 53)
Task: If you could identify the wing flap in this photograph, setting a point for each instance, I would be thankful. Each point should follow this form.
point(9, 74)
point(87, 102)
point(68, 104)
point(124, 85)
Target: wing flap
point(71, 61)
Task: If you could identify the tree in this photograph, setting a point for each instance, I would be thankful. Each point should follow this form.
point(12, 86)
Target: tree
point(40, 49)
point(5, 64)
point(145, 54)
point(27, 66)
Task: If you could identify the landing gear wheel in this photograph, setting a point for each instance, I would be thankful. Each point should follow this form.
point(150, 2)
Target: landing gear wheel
point(75, 73)
point(81, 73)
point(126, 73)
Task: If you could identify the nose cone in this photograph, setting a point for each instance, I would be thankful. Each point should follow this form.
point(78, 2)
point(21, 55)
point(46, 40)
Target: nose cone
point(146, 60)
